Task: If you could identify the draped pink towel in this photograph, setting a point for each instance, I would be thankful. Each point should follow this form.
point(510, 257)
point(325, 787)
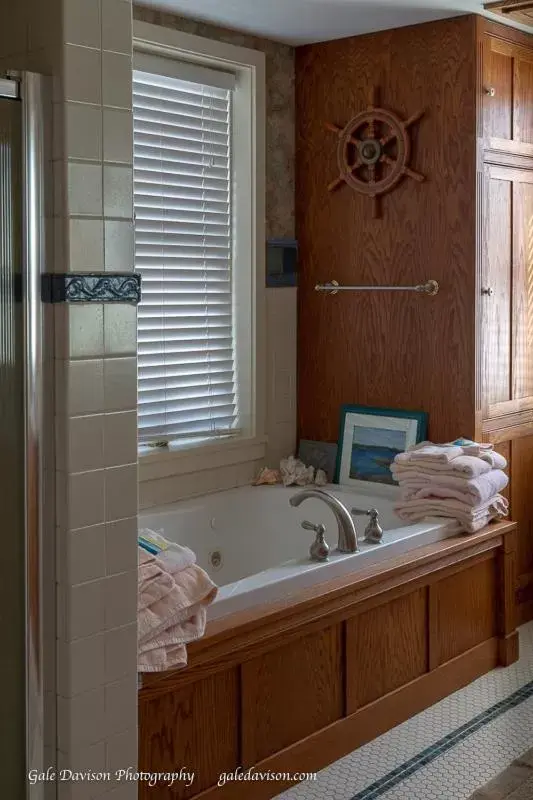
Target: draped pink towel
point(172, 610)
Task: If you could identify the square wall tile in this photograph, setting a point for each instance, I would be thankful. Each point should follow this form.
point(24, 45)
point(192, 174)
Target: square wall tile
point(86, 330)
point(86, 245)
point(121, 651)
point(120, 386)
point(121, 548)
point(81, 665)
point(117, 26)
point(121, 492)
point(83, 131)
point(121, 750)
point(121, 705)
point(58, 130)
point(84, 189)
point(83, 553)
point(86, 499)
point(118, 133)
point(81, 720)
point(84, 759)
point(82, 74)
point(56, 248)
point(117, 73)
point(59, 188)
point(120, 330)
point(119, 241)
point(85, 443)
point(85, 386)
point(118, 191)
point(81, 22)
point(120, 438)
point(121, 601)
point(85, 610)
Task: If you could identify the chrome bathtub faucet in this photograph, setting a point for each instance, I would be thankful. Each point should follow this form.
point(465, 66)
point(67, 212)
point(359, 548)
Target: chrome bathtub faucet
point(347, 542)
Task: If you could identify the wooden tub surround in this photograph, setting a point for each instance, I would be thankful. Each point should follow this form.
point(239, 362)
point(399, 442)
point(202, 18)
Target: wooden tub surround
point(292, 686)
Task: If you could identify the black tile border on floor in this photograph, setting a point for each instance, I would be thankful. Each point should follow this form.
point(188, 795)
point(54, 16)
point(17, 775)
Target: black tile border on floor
point(425, 757)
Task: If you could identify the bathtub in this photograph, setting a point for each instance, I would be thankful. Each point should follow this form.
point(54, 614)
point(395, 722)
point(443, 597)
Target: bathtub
point(251, 542)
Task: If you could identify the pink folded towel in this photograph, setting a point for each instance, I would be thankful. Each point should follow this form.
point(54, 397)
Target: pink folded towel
point(171, 611)
point(466, 466)
point(471, 518)
point(472, 492)
point(466, 459)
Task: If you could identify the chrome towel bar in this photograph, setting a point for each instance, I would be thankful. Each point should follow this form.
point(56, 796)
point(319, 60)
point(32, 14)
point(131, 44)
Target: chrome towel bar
point(332, 287)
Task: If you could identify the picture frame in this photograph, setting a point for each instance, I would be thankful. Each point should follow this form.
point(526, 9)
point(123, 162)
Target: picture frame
point(369, 439)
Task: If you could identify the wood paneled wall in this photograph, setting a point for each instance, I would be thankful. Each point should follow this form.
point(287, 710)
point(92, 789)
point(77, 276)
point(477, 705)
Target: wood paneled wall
point(398, 350)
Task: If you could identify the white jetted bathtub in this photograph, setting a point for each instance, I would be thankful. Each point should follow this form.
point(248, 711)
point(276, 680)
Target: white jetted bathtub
point(251, 542)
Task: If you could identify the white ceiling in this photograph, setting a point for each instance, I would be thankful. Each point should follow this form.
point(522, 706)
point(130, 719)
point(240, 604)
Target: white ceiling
point(302, 21)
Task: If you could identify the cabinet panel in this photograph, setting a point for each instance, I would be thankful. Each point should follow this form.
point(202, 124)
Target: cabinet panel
point(521, 487)
point(523, 100)
point(386, 647)
point(496, 306)
point(199, 721)
point(452, 630)
point(522, 364)
point(290, 693)
point(498, 109)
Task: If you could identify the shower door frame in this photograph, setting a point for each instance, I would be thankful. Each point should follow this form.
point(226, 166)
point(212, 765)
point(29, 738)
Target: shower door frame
point(30, 89)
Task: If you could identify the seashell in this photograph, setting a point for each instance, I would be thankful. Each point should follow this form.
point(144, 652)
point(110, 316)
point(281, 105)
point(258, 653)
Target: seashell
point(267, 477)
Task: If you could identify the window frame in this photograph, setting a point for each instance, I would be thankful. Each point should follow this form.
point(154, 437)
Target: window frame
point(249, 201)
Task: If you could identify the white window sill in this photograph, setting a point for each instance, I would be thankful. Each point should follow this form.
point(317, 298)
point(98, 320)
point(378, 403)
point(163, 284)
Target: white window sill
point(156, 463)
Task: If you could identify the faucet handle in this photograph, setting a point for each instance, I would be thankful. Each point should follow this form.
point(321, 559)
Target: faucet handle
point(373, 531)
point(311, 526)
point(319, 550)
point(359, 512)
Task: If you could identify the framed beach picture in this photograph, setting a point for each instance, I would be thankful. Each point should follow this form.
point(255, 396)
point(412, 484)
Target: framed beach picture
point(370, 438)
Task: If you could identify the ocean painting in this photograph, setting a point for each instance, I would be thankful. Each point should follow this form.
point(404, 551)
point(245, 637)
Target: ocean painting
point(373, 450)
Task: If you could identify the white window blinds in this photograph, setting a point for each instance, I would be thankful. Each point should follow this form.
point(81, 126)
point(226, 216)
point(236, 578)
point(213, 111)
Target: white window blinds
point(183, 250)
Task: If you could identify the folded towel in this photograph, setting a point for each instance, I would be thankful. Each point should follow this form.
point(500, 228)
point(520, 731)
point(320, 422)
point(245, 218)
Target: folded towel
point(471, 491)
point(431, 453)
point(472, 518)
point(447, 453)
point(468, 466)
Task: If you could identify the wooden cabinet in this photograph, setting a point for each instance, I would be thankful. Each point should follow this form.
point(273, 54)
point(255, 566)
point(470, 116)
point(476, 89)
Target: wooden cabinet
point(507, 90)
point(505, 276)
point(507, 292)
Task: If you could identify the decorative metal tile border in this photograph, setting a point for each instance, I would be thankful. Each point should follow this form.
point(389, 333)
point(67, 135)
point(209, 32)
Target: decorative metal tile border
point(95, 287)
point(408, 768)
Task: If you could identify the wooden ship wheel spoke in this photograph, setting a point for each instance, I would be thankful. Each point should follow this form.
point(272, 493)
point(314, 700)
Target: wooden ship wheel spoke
point(362, 157)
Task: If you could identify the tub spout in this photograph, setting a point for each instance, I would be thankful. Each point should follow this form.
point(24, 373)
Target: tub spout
point(347, 534)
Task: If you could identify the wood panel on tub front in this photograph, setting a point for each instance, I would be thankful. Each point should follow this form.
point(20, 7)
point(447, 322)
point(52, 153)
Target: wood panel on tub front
point(293, 686)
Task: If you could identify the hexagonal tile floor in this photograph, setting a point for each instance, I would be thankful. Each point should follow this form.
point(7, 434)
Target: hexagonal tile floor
point(492, 724)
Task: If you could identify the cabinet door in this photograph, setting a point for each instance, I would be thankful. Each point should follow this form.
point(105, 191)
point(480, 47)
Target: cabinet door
point(507, 293)
point(508, 94)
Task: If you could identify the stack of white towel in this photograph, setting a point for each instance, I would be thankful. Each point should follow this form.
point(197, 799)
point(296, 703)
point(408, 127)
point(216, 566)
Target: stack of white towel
point(462, 479)
point(173, 595)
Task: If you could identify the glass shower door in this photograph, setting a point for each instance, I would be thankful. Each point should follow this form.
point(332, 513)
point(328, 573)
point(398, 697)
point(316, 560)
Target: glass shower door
point(12, 458)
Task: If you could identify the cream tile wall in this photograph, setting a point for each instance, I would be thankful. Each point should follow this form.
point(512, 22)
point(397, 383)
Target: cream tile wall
point(96, 399)
point(86, 46)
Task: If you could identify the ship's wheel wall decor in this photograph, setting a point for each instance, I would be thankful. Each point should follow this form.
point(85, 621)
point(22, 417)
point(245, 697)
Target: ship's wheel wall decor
point(373, 151)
